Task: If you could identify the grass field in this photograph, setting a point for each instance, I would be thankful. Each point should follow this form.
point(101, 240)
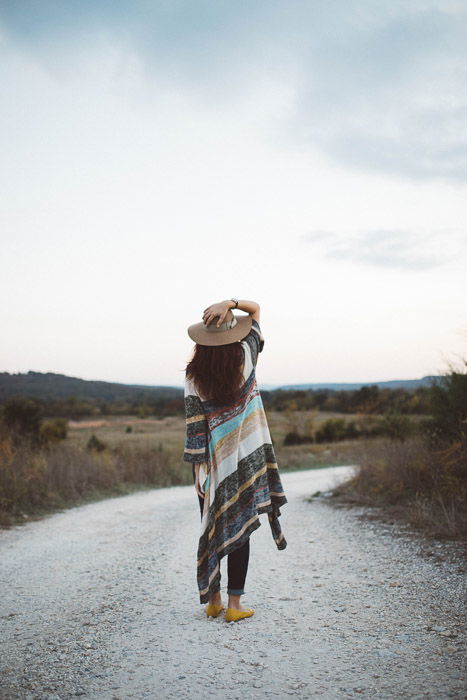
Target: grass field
point(400, 476)
point(135, 453)
point(168, 434)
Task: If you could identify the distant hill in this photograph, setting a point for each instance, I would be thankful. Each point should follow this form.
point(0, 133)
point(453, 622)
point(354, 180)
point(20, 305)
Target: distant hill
point(409, 384)
point(48, 385)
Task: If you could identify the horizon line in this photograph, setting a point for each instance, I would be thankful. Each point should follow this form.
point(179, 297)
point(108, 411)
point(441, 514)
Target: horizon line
point(263, 383)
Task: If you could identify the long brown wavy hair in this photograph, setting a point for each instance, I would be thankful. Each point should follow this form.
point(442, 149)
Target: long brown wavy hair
point(217, 372)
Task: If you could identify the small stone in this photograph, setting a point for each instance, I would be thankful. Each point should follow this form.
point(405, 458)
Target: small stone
point(384, 653)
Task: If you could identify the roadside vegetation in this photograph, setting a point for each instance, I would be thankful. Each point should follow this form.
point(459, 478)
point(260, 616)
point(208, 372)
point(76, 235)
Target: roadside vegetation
point(420, 476)
point(50, 463)
point(410, 447)
point(46, 466)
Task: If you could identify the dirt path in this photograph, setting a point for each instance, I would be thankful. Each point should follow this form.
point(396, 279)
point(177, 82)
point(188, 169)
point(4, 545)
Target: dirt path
point(101, 602)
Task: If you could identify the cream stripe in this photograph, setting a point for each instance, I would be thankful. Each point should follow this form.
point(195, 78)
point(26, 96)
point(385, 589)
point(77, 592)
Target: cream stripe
point(249, 444)
point(232, 500)
point(248, 365)
point(195, 419)
point(205, 590)
point(239, 533)
point(242, 488)
point(203, 557)
point(227, 444)
point(264, 503)
point(198, 451)
point(232, 539)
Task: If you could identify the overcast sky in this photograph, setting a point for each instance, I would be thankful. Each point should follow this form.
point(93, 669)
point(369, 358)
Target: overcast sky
point(158, 156)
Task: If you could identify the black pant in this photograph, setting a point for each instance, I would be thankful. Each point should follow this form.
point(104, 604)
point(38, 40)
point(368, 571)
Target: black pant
point(237, 561)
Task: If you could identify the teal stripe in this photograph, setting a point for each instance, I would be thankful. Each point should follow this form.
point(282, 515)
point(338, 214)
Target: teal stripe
point(230, 425)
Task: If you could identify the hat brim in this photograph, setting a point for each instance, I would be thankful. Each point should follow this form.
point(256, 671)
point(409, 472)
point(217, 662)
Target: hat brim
point(201, 336)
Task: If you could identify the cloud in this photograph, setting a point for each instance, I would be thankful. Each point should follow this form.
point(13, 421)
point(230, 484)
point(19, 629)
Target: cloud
point(393, 95)
point(385, 248)
point(377, 86)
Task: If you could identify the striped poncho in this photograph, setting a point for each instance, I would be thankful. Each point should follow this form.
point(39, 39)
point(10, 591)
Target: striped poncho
point(239, 473)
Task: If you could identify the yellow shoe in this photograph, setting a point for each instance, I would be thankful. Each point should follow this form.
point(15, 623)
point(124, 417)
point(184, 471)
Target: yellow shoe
point(213, 610)
point(233, 615)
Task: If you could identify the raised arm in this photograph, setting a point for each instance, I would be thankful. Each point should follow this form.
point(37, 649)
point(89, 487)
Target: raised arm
point(220, 309)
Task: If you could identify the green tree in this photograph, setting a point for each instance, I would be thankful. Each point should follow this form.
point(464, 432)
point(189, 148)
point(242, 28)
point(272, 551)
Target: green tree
point(395, 425)
point(95, 445)
point(22, 418)
point(448, 401)
point(53, 430)
point(332, 430)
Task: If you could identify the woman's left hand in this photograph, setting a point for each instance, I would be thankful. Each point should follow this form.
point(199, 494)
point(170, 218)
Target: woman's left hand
point(220, 310)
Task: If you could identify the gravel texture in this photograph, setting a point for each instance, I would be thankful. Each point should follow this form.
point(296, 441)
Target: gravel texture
point(101, 602)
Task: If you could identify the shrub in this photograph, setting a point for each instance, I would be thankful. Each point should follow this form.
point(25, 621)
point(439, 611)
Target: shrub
point(22, 418)
point(332, 430)
point(294, 438)
point(38, 479)
point(96, 445)
point(448, 401)
point(395, 426)
point(53, 430)
point(429, 484)
point(352, 432)
point(426, 474)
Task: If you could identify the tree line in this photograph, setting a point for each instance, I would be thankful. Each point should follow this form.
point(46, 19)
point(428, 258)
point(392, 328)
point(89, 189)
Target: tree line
point(369, 400)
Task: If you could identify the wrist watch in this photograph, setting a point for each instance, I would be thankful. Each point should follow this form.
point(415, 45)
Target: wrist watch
point(235, 301)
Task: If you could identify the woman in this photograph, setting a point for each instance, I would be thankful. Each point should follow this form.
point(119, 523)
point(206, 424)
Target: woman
point(229, 445)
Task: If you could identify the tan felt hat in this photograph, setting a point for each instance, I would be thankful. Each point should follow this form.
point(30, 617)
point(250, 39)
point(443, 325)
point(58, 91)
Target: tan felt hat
point(233, 329)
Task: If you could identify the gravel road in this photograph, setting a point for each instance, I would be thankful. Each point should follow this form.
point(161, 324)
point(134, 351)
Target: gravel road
point(100, 601)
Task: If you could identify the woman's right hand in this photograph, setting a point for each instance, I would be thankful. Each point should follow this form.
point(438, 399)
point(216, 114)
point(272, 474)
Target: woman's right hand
point(218, 311)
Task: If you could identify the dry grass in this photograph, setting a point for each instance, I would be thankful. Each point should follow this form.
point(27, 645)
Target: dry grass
point(315, 456)
point(169, 433)
point(146, 433)
point(35, 481)
point(307, 422)
point(427, 487)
